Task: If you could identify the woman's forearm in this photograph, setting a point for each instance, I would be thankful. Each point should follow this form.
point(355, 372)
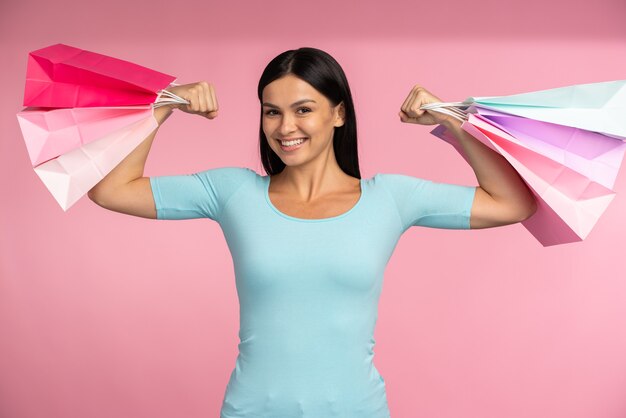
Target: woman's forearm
point(133, 165)
point(494, 173)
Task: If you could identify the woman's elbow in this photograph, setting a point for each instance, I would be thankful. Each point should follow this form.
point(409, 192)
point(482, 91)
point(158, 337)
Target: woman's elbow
point(526, 210)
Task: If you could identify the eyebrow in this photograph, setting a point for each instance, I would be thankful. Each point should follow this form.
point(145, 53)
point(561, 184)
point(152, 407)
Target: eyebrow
point(299, 102)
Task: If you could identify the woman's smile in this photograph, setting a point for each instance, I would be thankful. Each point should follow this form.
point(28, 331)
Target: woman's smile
point(292, 145)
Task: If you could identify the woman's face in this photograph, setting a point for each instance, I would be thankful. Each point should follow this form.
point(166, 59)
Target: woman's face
point(293, 109)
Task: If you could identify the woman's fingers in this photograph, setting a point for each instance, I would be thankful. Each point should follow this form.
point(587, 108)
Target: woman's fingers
point(417, 101)
point(406, 106)
point(215, 106)
point(202, 97)
point(411, 105)
point(196, 91)
point(411, 108)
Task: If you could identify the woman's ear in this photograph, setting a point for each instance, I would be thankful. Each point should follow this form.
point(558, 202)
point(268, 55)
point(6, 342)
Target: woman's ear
point(340, 119)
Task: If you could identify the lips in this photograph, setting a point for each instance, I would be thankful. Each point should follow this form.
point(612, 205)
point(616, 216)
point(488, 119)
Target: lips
point(292, 139)
point(292, 147)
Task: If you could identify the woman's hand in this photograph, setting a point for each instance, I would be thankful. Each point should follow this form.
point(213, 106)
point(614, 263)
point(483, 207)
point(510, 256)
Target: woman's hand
point(201, 98)
point(410, 111)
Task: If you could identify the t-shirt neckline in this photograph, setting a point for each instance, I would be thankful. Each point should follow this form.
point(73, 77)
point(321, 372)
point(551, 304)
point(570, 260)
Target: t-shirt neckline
point(293, 218)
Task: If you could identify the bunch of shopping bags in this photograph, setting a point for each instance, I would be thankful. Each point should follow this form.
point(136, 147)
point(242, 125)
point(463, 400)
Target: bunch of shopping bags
point(85, 113)
point(566, 143)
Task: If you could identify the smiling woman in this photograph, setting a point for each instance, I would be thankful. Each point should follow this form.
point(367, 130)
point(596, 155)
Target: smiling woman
point(307, 317)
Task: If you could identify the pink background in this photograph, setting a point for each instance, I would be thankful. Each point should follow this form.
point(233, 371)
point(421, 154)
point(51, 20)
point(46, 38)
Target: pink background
point(107, 315)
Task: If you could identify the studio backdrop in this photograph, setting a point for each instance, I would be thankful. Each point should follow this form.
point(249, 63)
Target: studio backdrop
point(107, 315)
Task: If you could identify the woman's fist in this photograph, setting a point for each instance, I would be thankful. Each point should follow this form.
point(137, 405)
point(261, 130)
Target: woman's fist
point(201, 98)
point(410, 111)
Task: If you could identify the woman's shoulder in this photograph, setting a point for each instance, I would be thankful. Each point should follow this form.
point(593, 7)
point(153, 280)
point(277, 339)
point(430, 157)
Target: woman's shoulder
point(395, 176)
point(227, 178)
point(231, 172)
point(398, 180)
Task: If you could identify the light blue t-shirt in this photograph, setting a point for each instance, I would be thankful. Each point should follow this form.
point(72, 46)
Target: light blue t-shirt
point(308, 289)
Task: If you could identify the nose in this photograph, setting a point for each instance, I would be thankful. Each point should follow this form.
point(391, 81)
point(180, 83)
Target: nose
point(287, 125)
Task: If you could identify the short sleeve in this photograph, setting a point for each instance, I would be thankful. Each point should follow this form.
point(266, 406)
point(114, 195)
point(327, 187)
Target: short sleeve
point(426, 203)
point(199, 195)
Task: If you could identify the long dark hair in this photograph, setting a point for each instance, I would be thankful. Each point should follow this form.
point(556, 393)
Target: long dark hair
point(324, 73)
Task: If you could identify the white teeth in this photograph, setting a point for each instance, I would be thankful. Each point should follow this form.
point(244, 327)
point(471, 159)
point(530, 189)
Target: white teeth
point(290, 143)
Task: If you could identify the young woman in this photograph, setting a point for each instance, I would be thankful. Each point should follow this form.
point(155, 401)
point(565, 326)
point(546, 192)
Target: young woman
point(310, 241)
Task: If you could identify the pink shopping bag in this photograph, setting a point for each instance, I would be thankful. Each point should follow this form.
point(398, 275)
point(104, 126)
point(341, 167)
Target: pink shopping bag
point(49, 133)
point(594, 155)
point(71, 175)
point(64, 76)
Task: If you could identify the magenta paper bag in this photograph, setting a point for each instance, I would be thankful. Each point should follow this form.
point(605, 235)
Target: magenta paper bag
point(594, 155)
point(568, 204)
point(64, 76)
point(70, 176)
point(49, 133)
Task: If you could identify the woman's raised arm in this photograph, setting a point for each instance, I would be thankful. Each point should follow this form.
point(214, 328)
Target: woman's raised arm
point(125, 189)
point(502, 197)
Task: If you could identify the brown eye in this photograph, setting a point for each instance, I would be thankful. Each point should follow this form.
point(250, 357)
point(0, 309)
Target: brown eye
point(269, 112)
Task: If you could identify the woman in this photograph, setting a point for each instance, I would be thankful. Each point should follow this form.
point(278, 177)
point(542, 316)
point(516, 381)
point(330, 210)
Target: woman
point(310, 241)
